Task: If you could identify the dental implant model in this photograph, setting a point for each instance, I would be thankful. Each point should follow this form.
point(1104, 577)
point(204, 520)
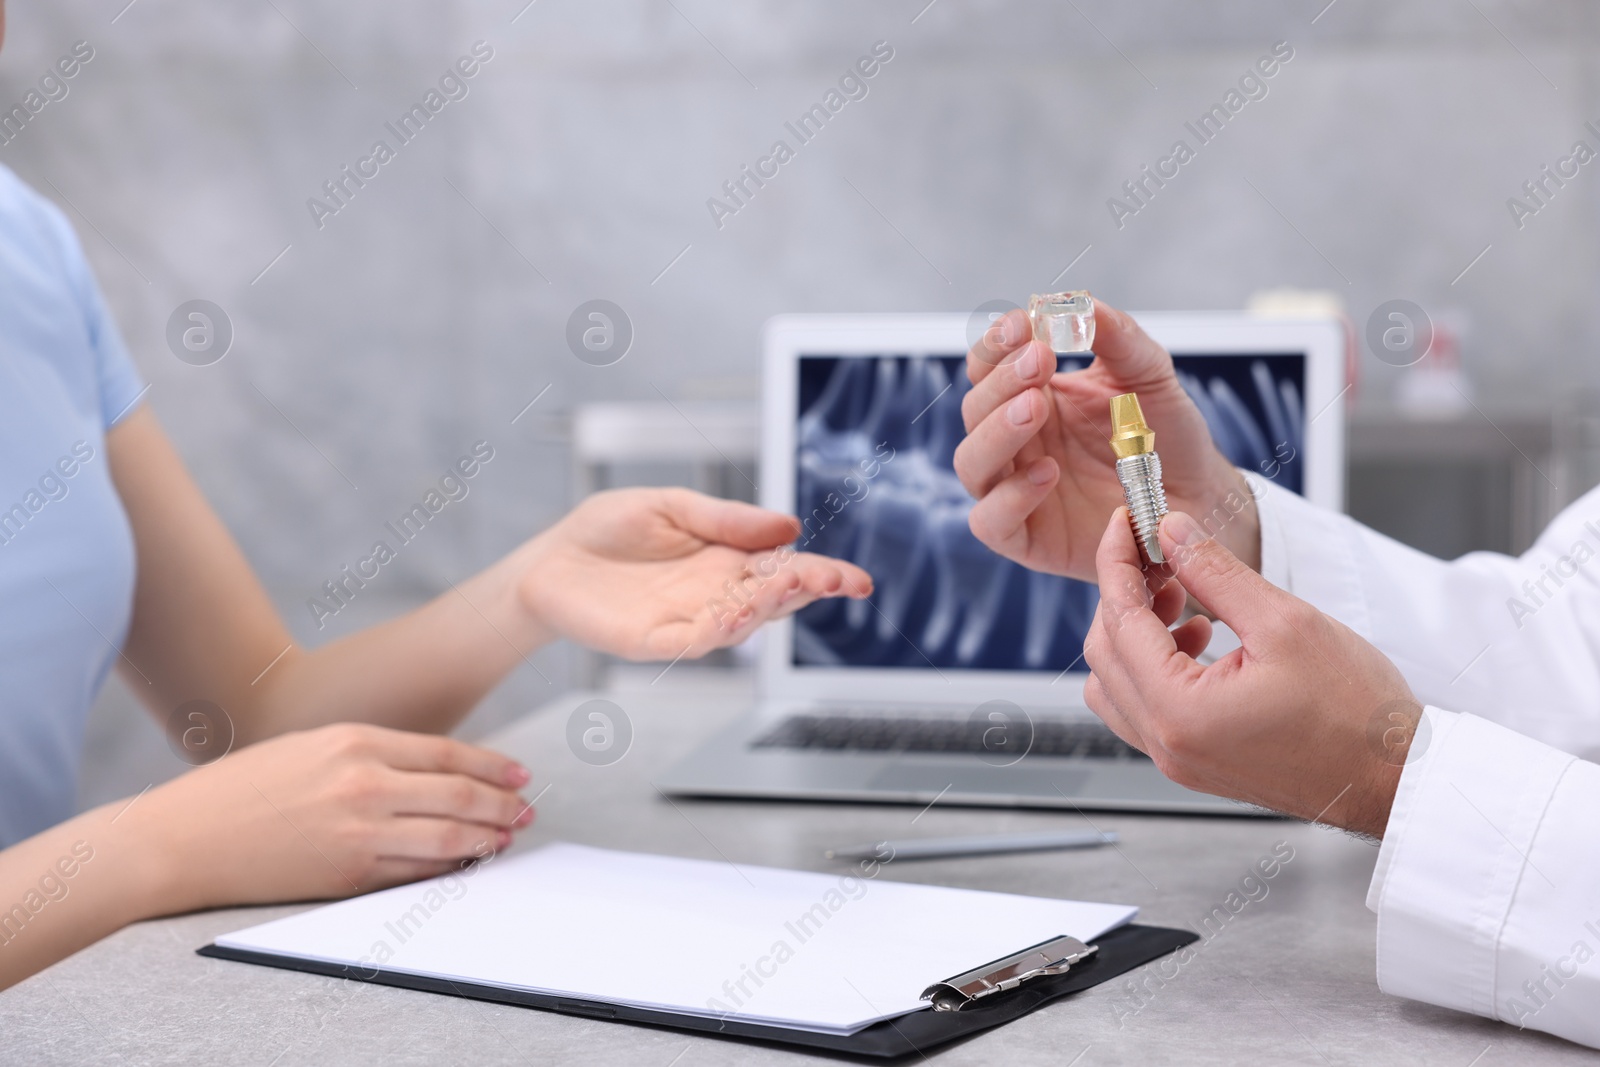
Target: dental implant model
point(1139, 471)
point(1064, 321)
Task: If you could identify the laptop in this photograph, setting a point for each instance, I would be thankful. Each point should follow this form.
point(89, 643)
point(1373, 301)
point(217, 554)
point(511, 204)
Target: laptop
point(961, 680)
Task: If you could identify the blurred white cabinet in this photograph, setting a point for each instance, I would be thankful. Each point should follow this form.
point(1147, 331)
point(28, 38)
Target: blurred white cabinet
point(712, 446)
point(1460, 484)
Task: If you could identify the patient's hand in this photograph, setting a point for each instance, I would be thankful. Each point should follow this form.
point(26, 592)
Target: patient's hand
point(1306, 718)
point(663, 573)
point(329, 812)
point(1037, 457)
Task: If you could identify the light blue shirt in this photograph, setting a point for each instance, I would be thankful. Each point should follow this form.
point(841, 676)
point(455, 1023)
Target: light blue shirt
point(66, 549)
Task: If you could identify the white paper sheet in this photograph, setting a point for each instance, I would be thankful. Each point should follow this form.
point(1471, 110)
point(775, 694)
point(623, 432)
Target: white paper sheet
point(823, 952)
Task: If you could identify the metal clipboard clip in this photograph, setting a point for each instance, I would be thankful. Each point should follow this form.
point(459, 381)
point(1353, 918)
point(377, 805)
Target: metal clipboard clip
point(1049, 957)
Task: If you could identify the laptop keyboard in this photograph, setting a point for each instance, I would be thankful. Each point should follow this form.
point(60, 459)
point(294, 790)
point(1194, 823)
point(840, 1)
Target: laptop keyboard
point(845, 732)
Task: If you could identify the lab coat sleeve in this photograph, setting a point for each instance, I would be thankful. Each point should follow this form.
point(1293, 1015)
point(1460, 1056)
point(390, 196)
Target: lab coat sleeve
point(1512, 639)
point(1487, 887)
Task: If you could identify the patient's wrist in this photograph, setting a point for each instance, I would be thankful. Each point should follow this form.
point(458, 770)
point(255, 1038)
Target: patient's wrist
point(527, 580)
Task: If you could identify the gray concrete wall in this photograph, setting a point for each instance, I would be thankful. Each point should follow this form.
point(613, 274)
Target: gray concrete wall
point(428, 311)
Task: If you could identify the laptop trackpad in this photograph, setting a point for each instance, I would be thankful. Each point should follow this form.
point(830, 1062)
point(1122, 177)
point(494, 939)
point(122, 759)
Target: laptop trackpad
point(923, 777)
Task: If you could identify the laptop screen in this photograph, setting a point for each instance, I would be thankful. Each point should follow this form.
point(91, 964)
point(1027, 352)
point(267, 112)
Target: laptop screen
point(874, 484)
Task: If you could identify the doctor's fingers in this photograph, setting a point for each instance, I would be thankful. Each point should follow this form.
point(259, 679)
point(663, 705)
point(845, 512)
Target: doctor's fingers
point(1117, 720)
point(1126, 600)
point(1130, 632)
point(1139, 681)
point(1131, 357)
point(1170, 598)
point(1258, 611)
point(1136, 706)
point(999, 341)
point(1031, 367)
point(988, 451)
point(999, 519)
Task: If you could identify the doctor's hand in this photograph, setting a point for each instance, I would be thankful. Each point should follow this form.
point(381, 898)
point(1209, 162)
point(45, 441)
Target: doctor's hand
point(663, 573)
point(1037, 458)
point(1306, 718)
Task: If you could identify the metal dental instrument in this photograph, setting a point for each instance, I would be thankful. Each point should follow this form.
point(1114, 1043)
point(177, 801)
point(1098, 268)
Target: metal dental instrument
point(1139, 471)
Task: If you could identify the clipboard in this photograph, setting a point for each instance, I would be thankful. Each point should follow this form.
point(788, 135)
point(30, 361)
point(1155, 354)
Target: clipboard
point(827, 961)
point(1112, 954)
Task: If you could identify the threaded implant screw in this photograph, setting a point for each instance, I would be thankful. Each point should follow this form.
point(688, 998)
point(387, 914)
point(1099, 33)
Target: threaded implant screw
point(1146, 498)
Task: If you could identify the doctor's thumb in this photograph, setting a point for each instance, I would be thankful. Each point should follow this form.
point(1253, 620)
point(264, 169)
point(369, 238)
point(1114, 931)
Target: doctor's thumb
point(1222, 583)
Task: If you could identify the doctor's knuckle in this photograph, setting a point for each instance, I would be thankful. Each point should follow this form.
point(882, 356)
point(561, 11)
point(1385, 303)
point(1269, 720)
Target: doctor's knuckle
point(1207, 558)
point(1188, 746)
point(1307, 622)
point(1173, 767)
point(983, 523)
point(969, 407)
point(1094, 647)
point(961, 463)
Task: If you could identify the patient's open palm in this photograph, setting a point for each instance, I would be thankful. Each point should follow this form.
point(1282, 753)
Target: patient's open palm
point(663, 573)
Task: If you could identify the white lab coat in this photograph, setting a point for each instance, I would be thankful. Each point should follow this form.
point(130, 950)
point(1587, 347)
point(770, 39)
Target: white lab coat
point(1487, 887)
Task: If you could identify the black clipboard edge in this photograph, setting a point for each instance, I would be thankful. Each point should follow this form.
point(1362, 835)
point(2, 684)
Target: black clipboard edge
point(1121, 950)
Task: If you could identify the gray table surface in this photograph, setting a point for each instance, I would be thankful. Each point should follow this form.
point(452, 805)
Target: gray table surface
point(1288, 980)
